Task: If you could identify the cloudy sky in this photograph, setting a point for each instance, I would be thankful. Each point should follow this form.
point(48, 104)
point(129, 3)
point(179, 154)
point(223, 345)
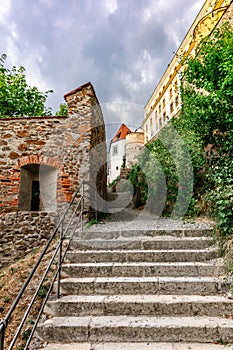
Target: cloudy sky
point(121, 46)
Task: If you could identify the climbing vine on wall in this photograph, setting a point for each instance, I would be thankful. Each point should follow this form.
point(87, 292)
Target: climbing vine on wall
point(206, 126)
point(207, 110)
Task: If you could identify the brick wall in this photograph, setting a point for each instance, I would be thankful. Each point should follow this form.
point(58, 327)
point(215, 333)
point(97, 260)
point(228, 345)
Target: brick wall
point(57, 152)
point(21, 232)
point(91, 130)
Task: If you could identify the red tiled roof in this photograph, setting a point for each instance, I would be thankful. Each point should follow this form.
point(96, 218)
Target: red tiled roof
point(121, 133)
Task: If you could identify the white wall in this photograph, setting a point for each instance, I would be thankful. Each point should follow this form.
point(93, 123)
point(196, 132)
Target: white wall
point(116, 159)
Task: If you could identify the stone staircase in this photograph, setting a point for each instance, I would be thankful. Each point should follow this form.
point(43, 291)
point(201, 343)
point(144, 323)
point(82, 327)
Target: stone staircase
point(118, 201)
point(140, 289)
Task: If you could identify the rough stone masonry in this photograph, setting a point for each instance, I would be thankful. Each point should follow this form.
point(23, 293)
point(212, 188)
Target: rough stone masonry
point(54, 153)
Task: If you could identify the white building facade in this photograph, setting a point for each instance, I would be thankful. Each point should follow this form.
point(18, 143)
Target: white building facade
point(117, 153)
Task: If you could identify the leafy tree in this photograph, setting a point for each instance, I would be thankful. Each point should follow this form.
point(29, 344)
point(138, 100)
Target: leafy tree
point(163, 177)
point(207, 111)
point(207, 93)
point(17, 98)
point(63, 110)
point(140, 186)
point(205, 125)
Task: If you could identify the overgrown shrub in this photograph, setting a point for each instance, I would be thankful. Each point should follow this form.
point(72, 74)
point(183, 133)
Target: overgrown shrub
point(140, 187)
point(167, 175)
point(207, 110)
point(202, 143)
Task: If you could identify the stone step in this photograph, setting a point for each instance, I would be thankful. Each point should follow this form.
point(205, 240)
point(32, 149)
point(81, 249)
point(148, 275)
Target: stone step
point(144, 269)
point(173, 255)
point(139, 346)
point(136, 329)
point(126, 233)
point(152, 243)
point(144, 285)
point(136, 305)
point(112, 196)
point(115, 209)
point(119, 202)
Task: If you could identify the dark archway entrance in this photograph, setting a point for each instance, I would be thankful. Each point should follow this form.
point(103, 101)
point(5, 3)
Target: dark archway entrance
point(35, 200)
point(38, 188)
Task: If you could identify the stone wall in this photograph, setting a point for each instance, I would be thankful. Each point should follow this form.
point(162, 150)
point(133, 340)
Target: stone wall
point(134, 146)
point(22, 232)
point(84, 105)
point(57, 153)
point(22, 142)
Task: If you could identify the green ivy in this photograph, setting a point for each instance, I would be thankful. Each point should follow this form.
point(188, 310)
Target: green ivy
point(207, 111)
point(205, 125)
point(140, 187)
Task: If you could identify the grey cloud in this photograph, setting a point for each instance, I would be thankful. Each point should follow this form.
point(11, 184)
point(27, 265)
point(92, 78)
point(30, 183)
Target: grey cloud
point(70, 42)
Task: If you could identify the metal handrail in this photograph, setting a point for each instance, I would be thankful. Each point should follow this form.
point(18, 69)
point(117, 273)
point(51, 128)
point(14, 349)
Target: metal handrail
point(58, 252)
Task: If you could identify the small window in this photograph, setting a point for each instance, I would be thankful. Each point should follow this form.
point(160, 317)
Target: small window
point(159, 108)
point(119, 136)
point(38, 188)
point(164, 118)
point(171, 93)
point(177, 101)
point(117, 167)
point(114, 150)
point(160, 123)
point(164, 103)
point(171, 108)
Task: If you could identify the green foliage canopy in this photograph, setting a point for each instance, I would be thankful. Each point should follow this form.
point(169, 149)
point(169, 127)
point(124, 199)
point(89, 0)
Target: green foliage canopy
point(63, 110)
point(205, 124)
point(207, 89)
point(17, 98)
point(207, 110)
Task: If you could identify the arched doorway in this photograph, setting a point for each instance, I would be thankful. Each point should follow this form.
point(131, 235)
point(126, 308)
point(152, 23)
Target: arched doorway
point(38, 188)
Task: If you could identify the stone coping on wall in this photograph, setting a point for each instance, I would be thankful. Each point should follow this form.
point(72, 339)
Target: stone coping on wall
point(80, 88)
point(38, 212)
point(6, 118)
point(28, 212)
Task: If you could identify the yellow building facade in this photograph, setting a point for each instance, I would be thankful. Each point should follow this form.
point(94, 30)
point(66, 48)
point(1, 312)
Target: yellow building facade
point(165, 101)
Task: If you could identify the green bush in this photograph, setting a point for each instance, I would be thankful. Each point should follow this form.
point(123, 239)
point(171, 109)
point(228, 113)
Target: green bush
point(167, 175)
point(140, 187)
point(207, 111)
point(195, 151)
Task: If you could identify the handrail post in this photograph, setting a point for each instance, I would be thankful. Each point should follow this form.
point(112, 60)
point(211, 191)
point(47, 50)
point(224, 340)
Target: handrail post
point(2, 334)
point(82, 204)
point(60, 261)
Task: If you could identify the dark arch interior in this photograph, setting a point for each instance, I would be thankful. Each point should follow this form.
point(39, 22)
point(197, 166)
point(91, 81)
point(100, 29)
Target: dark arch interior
point(38, 187)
